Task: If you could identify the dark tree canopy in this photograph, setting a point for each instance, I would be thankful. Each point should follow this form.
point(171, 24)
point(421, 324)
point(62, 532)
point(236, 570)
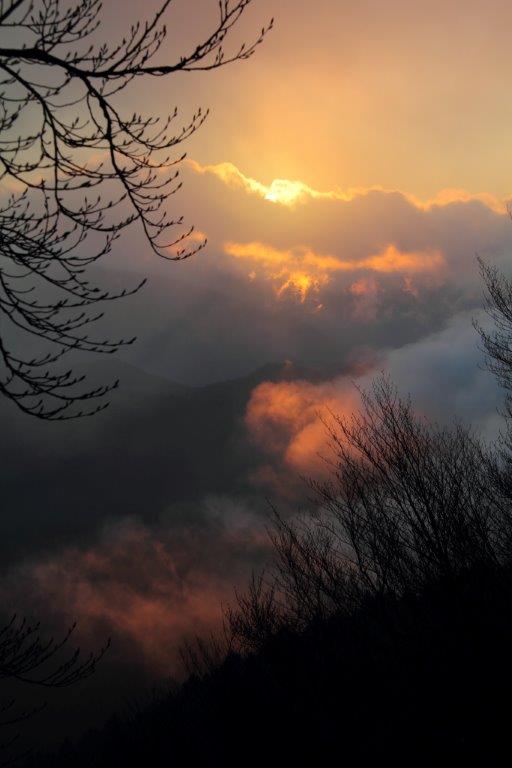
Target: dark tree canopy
point(29, 659)
point(380, 632)
point(76, 172)
point(409, 504)
point(497, 340)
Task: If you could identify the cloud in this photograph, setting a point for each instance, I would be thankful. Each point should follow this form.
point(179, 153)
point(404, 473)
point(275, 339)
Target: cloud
point(282, 191)
point(285, 420)
point(389, 260)
point(148, 587)
point(230, 175)
point(442, 373)
point(314, 283)
point(366, 290)
point(301, 270)
point(310, 249)
point(297, 270)
point(290, 192)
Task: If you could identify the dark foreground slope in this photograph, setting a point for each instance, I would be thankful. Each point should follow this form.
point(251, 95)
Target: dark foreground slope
point(417, 681)
point(381, 633)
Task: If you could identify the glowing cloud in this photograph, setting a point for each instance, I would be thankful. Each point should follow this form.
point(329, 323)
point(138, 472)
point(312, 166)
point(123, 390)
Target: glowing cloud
point(175, 592)
point(284, 419)
point(230, 175)
point(393, 260)
point(301, 270)
point(281, 191)
point(366, 291)
point(289, 192)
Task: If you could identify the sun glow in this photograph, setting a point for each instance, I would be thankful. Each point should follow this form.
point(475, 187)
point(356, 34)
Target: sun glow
point(299, 282)
point(289, 193)
point(283, 191)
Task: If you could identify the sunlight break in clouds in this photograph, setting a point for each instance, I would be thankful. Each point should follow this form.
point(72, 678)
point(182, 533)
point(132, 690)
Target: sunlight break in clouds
point(301, 270)
point(290, 192)
point(279, 191)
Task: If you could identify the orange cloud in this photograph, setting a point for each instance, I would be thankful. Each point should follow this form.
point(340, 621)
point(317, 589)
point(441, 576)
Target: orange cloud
point(231, 176)
point(153, 613)
point(366, 291)
point(290, 192)
point(285, 420)
point(295, 270)
point(301, 270)
point(171, 595)
point(393, 260)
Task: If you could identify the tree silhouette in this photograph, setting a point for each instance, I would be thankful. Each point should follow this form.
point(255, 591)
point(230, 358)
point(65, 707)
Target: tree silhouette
point(78, 173)
point(381, 632)
point(409, 504)
point(497, 341)
point(31, 660)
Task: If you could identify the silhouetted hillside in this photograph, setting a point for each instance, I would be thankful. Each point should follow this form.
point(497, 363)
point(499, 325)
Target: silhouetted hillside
point(414, 681)
point(381, 632)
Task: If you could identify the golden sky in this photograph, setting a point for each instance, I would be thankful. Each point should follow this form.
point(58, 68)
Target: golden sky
point(342, 94)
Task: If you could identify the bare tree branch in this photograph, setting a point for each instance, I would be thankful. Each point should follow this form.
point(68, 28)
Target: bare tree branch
point(78, 173)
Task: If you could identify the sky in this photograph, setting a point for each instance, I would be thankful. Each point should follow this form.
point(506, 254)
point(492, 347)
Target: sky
point(347, 178)
point(348, 174)
point(404, 95)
